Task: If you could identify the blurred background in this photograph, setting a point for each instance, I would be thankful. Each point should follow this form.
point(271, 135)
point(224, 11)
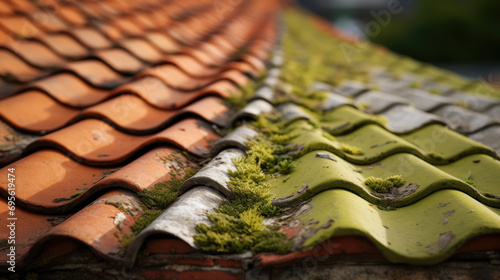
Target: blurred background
point(460, 35)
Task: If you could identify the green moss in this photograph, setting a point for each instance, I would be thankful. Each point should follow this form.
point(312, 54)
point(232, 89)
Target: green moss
point(348, 149)
point(79, 192)
point(145, 219)
point(436, 156)
point(435, 91)
point(119, 206)
point(384, 185)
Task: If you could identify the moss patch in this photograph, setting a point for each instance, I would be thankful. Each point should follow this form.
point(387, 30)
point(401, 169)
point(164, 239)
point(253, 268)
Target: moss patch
point(384, 185)
point(348, 149)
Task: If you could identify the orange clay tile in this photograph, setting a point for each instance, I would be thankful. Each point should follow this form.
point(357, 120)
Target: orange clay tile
point(171, 76)
point(70, 90)
point(98, 232)
point(127, 26)
point(96, 143)
point(71, 15)
point(135, 115)
point(34, 111)
point(23, 6)
point(90, 38)
point(120, 60)
point(163, 42)
point(5, 39)
point(109, 30)
point(156, 93)
point(16, 68)
point(5, 8)
point(20, 26)
point(37, 54)
point(142, 50)
point(96, 73)
point(49, 22)
point(65, 45)
point(48, 177)
point(143, 19)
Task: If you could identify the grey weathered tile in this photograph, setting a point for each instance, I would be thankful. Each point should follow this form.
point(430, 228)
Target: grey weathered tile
point(180, 219)
point(379, 101)
point(489, 136)
point(291, 111)
point(475, 102)
point(215, 173)
point(404, 119)
point(351, 88)
point(253, 110)
point(263, 92)
point(235, 139)
point(464, 121)
point(424, 100)
point(335, 100)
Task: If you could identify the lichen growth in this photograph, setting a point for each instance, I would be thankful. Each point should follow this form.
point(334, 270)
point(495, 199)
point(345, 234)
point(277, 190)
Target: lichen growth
point(78, 193)
point(384, 185)
point(348, 149)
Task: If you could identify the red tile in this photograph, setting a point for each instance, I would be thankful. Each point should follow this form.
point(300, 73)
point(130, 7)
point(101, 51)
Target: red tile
point(5, 8)
point(167, 246)
point(23, 6)
point(35, 111)
point(111, 31)
point(37, 54)
point(155, 92)
point(120, 60)
point(71, 15)
point(90, 38)
point(48, 176)
point(12, 67)
point(96, 73)
point(65, 45)
point(70, 90)
point(93, 226)
point(20, 26)
point(135, 115)
point(127, 26)
point(163, 42)
point(97, 143)
point(142, 50)
point(49, 21)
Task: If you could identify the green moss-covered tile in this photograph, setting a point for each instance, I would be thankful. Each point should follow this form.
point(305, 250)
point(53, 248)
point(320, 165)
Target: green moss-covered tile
point(445, 145)
point(320, 170)
point(426, 232)
point(344, 119)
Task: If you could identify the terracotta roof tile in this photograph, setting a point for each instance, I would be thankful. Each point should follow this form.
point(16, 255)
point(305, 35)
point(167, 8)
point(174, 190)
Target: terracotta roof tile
point(105, 103)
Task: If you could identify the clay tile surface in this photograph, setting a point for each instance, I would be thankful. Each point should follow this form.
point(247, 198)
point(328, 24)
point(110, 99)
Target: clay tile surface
point(125, 127)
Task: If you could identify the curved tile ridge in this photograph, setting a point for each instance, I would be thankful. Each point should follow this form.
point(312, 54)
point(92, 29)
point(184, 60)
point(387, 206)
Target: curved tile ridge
point(53, 183)
point(488, 136)
point(465, 121)
point(180, 219)
point(35, 112)
point(13, 143)
point(99, 225)
point(234, 139)
point(434, 143)
point(475, 102)
point(426, 232)
point(404, 119)
point(156, 93)
point(377, 101)
point(252, 110)
point(215, 174)
point(94, 142)
point(321, 170)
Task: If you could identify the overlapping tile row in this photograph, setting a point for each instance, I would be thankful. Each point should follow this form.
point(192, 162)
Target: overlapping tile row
point(99, 136)
point(448, 177)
